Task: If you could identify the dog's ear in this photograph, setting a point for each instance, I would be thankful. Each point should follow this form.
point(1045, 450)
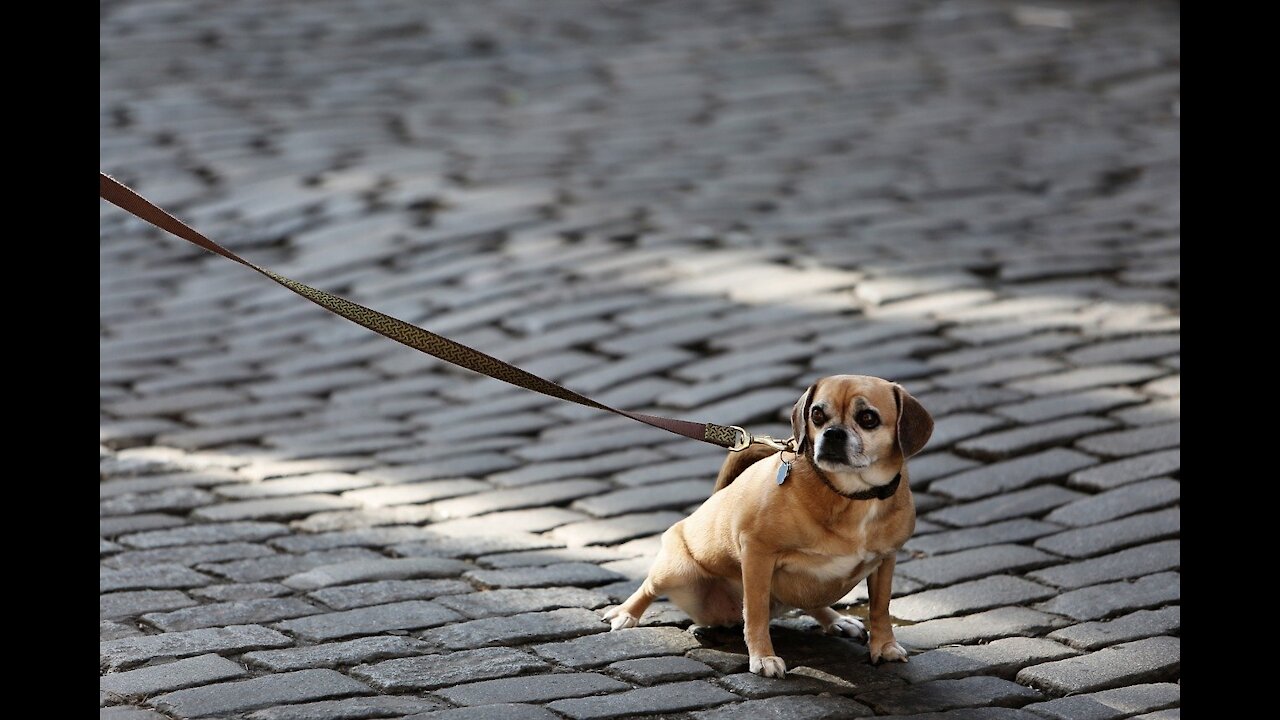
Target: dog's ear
point(915, 424)
point(800, 419)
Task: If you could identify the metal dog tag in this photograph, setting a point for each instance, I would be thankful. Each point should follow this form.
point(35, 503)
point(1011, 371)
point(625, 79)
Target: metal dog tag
point(783, 469)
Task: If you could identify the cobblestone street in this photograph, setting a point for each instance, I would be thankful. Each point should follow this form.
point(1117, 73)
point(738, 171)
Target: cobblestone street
point(689, 208)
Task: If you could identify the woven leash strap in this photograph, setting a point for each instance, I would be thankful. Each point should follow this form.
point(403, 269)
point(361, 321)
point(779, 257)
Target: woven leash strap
point(114, 192)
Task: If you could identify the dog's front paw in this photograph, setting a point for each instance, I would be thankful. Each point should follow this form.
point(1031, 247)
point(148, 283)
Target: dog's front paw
point(768, 666)
point(848, 627)
point(889, 651)
point(619, 620)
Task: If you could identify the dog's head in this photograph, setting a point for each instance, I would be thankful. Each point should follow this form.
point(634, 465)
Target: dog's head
point(859, 428)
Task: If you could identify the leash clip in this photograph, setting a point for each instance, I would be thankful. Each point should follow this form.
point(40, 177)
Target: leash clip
point(745, 439)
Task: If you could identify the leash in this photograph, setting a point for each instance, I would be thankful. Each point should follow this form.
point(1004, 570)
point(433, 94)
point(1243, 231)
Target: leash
point(727, 436)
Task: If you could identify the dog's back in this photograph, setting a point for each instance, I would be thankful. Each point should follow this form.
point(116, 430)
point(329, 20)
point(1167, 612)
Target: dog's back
point(739, 461)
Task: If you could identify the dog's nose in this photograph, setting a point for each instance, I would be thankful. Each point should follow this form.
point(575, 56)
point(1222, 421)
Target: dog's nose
point(836, 435)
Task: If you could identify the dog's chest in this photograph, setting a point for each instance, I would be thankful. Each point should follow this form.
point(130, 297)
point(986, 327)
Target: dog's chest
point(832, 568)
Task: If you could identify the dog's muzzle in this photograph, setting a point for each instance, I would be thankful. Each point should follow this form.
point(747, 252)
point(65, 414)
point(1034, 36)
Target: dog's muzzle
point(833, 446)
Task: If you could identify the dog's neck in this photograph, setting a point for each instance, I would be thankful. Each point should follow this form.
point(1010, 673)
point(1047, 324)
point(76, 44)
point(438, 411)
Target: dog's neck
point(870, 492)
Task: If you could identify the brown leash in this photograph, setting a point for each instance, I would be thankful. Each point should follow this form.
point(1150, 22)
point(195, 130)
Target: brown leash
point(727, 436)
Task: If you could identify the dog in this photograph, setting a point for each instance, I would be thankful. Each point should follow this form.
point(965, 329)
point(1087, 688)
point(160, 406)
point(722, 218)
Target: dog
point(786, 530)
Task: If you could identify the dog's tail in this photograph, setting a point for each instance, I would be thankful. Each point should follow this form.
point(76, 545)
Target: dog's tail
point(739, 461)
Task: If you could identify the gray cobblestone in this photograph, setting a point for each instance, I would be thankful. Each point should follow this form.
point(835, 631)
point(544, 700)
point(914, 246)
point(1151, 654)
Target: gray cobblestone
point(137, 602)
point(241, 591)
point(240, 612)
point(491, 603)
point(437, 671)
point(110, 527)
point(189, 555)
point(197, 534)
point(166, 575)
point(1098, 601)
point(1111, 704)
point(968, 564)
point(597, 650)
point(299, 485)
point(1134, 562)
point(988, 625)
point(1033, 437)
point(280, 566)
point(981, 594)
point(750, 685)
point(534, 688)
point(515, 498)
point(615, 530)
point(1012, 474)
point(497, 711)
point(650, 497)
point(947, 694)
point(690, 695)
point(406, 615)
point(1081, 378)
point(1140, 467)
point(1114, 535)
point(1149, 660)
point(171, 676)
point(223, 698)
point(1126, 628)
point(994, 534)
point(273, 508)
point(579, 574)
point(364, 570)
point(1021, 503)
point(516, 629)
point(1123, 443)
point(348, 652)
point(650, 671)
point(1041, 409)
point(789, 707)
point(357, 708)
point(127, 652)
point(1122, 501)
point(347, 597)
point(1002, 658)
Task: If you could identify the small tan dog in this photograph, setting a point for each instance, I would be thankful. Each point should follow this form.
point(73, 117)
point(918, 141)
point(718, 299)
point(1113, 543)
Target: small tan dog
point(800, 534)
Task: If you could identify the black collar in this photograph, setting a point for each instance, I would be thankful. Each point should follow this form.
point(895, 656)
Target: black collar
point(876, 493)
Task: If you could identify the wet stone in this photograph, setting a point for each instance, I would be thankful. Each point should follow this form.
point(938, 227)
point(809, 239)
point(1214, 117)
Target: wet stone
point(597, 650)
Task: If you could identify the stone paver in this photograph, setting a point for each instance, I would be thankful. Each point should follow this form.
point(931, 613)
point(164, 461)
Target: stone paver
point(692, 209)
point(347, 652)
point(1153, 659)
point(1134, 626)
point(362, 621)
point(435, 671)
point(689, 695)
point(171, 676)
point(535, 688)
point(1111, 704)
point(266, 691)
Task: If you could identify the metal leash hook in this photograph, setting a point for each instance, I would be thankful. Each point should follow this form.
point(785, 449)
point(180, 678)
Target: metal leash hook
point(745, 439)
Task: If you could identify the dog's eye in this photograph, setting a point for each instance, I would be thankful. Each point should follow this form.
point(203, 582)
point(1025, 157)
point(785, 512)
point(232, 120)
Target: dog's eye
point(819, 417)
point(868, 419)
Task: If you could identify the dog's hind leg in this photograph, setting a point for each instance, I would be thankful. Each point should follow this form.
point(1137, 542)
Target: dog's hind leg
point(834, 623)
point(628, 614)
point(672, 571)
